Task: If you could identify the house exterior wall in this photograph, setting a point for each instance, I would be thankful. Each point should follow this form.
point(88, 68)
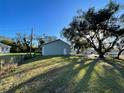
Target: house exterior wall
point(4, 49)
point(115, 52)
point(56, 48)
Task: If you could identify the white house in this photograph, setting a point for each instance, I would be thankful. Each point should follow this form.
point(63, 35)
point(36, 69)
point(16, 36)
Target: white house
point(57, 47)
point(4, 48)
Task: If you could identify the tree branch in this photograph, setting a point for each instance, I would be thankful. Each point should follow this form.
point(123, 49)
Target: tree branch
point(112, 45)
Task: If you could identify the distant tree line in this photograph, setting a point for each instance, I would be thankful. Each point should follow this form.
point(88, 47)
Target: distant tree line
point(25, 44)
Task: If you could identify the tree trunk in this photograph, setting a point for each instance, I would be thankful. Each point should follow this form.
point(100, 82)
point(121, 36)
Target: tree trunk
point(101, 56)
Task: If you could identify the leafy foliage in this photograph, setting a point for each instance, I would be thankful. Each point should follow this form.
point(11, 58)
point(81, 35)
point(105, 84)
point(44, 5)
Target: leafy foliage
point(99, 28)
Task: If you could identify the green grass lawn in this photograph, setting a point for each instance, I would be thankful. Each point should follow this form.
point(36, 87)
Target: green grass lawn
point(14, 54)
point(3, 54)
point(70, 74)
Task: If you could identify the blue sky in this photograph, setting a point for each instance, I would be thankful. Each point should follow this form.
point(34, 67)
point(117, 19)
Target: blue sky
point(45, 16)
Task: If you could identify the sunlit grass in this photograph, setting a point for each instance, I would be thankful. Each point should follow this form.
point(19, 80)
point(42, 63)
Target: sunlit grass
point(62, 74)
point(9, 54)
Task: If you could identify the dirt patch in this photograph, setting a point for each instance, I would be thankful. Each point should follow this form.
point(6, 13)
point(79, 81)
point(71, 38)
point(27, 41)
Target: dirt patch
point(122, 57)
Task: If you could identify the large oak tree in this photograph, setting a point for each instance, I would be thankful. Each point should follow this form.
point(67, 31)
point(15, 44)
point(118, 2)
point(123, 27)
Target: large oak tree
point(100, 28)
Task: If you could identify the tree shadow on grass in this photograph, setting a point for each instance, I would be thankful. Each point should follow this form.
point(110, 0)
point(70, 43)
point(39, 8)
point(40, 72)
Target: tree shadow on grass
point(108, 82)
point(32, 61)
point(57, 79)
point(83, 83)
point(117, 65)
point(52, 71)
point(28, 69)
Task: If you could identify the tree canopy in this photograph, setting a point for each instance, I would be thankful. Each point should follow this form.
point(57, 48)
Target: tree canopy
point(101, 28)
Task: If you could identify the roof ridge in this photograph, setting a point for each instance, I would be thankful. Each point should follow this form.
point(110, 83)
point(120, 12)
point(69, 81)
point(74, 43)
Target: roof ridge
point(55, 41)
point(4, 44)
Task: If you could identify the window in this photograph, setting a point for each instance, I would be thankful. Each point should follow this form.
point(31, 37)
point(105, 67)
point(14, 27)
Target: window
point(7, 49)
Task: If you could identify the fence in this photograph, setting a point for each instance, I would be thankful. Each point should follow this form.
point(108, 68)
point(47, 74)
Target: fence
point(11, 59)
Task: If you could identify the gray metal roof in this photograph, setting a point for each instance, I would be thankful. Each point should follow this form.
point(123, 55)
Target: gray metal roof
point(3, 45)
point(55, 41)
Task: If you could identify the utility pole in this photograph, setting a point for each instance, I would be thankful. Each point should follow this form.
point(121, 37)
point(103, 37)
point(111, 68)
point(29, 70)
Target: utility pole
point(31, 38)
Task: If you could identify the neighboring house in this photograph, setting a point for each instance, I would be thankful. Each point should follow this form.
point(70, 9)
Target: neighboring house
point(114, 52)
point(4, 48)
point(89, 51)
point(57, 47)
